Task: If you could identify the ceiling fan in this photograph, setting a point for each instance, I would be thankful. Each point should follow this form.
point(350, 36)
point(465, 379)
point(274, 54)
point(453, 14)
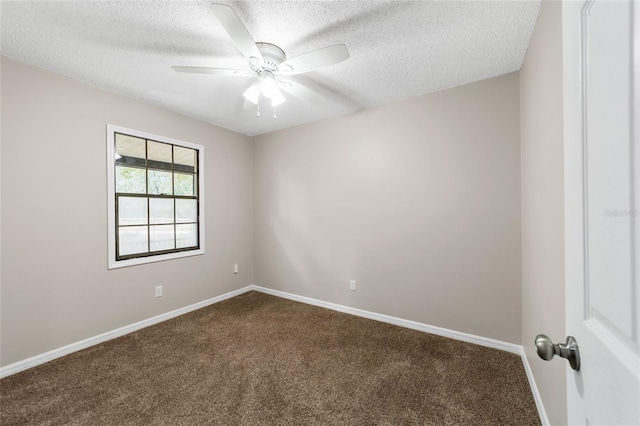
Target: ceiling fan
point(269, 64)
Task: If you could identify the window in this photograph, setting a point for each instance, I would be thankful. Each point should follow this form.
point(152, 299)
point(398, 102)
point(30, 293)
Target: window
point(156, 203)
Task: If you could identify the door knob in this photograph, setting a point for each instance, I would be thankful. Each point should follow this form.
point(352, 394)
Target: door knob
point(569, 350)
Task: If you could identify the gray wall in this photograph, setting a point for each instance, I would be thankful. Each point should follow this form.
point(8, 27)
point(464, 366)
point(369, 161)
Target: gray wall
point(419, 201)
point(543, 287)
point(56, 288)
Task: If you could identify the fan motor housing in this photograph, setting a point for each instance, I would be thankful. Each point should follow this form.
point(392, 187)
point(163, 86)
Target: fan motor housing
point(272, 56)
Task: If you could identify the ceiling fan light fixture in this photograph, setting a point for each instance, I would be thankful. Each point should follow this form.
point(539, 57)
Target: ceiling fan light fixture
point(269, 89)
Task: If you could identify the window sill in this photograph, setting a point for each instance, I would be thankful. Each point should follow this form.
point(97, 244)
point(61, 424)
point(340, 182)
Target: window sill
point(115, 264)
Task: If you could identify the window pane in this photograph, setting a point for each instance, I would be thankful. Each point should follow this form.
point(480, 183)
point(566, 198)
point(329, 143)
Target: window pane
point(132, 211)
point(130, 150)
point(159, 155)
point(161, 237)
point(160, 210)
point(183, 184)
point(186, 235)
point(160, 182)
point(186, 211)
point(185, 157)
point(132, 240)
point(130, 180)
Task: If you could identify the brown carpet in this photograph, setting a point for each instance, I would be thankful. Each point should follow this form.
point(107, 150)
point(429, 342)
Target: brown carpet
point(262, 360)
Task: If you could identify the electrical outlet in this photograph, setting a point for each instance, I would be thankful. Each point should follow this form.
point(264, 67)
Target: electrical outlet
point(235, 268)
point(352, 285)
point(158, 291)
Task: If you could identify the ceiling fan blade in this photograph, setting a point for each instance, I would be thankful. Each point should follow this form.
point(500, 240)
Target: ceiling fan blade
point(215, 71)
point(237, 31)
point(315, 59)
point(302, 92)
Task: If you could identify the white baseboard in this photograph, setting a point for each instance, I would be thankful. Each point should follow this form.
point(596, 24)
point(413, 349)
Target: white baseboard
point(91, 341)
point(534, 389)
point(457, 335)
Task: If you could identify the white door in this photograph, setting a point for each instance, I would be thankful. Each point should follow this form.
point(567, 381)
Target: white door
point(601, 45)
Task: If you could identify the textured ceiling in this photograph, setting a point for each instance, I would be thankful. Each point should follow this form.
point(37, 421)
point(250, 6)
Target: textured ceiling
point(399, 49)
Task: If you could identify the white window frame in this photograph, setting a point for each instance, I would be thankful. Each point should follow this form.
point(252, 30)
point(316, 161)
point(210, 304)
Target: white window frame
point(111, 191)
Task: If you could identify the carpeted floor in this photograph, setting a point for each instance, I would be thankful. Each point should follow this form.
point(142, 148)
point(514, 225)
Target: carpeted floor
point(262, 360)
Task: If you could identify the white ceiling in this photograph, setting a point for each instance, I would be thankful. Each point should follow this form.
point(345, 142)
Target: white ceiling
point(399, 49)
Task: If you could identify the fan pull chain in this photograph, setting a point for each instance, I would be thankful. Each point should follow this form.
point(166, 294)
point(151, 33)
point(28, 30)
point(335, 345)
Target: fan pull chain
point(258, 108)
point(274, 113)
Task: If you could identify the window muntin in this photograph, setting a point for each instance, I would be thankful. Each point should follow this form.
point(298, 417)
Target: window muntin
point(156, 207)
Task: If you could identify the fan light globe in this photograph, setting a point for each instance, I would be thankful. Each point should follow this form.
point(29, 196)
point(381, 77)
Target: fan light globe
point(252, 94)
point(269, 87)
point(266, 87)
